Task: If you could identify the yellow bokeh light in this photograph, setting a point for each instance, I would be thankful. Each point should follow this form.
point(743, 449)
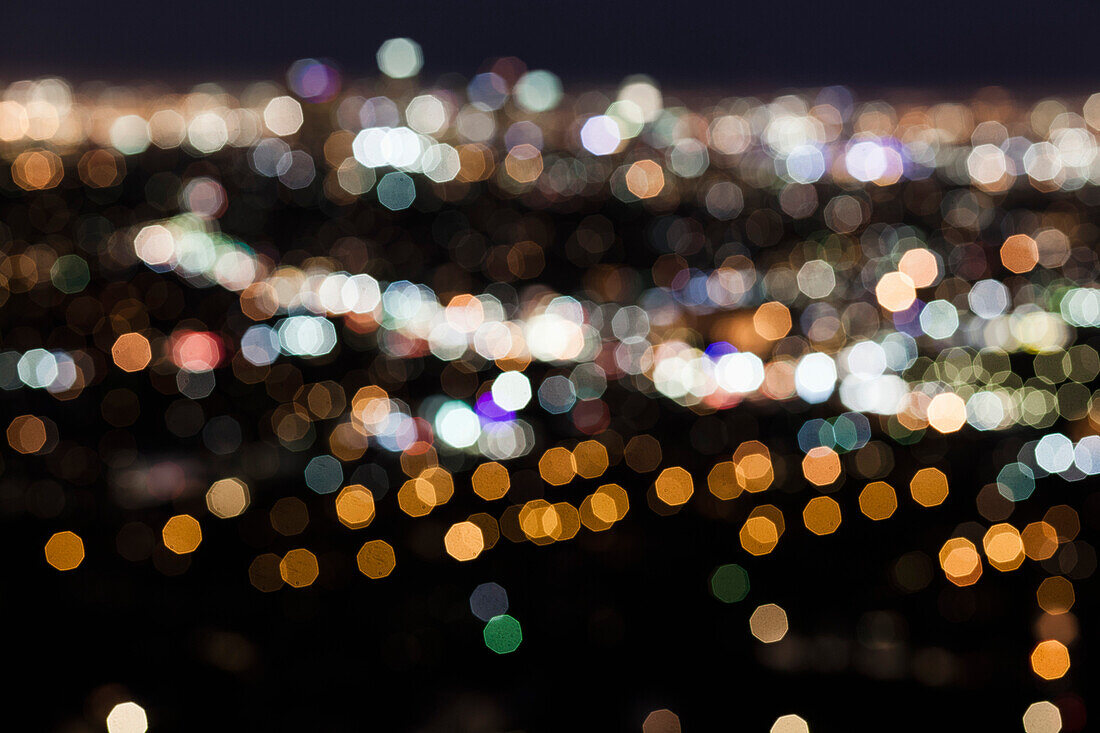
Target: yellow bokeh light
point(182, 534)
point(768, 623)
point(35, 170)
point(491, 481)
point(790, 724)
point(298, 568)
point(895, 291)
point(1050, 659)
point(821, 515)
point(131, 352)
point(437, 486)
point(661, 721)
point(674, 486)
point(929, 487)
point(418, 458)
point(1019, 254)
point(490, 528)
point(355, 506)
point(753, 463)
point(376, 559)
point(607, 505)
point(1055, 595)
point(1003, 547)
point(645, 179)
point(590, 459)
point(1040, 540)
point(821, 466)
point(416, 497)
point(524, 163)
point(65, 550)
point(464, 541)
point(920, 266)
point(772, 321)
point(610, 503)
point(762, 529)
point(127, 717)
point(539, 521)
point(557, 467)
point(568, 521)
point(227, 497)
point(878, 501)
point(947, 412)
point(1042, 717)
point(27, 434)
point(960, 561)
point(722, 481)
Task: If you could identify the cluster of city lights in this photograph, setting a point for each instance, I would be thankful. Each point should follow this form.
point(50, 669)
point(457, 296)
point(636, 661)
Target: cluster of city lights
point(370, 302)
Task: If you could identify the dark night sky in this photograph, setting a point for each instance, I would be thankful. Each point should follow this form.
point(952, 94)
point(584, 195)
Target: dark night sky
point(937, 44)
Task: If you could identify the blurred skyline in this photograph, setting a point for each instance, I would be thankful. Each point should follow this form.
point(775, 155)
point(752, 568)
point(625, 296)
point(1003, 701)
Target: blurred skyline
point(952, 46)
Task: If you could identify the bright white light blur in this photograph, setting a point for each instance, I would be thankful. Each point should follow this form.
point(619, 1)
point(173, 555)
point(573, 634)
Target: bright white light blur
point(306, 335)
point(939, 319)
point(268, 156)
point(866, 359)
point(1054, 453)
point(816, 279)
point(985, 411)
point(866, 161)
point(1042, 161)
point(283, 116)
point(1081, 307)
point(600, 135)
point(502, 441)
point(367, 147)
point(628, 116)
point(446, 342)
point(66, 373)
point(986, 164)
point(426, 114)
point(553, 338)
point(129, 134)
point(260, 345)
point(402, 301)
point(901, 351)
point(815, 377)
point(235, 270)
point(538, 91)
point(361, 294)
point(37, 368)
point(401, 147)
point(1086, 456)
point(457, 425)
point(988, 298)
point(208, 132)
point(512, 391)
point(127, 717)
point(194, 253)
point(739, 373)
point(805, 164)
point(879, 395)
point(441, 163)
point(400, 58)
point(643, 92)
point(688, 158)
point(155, 245)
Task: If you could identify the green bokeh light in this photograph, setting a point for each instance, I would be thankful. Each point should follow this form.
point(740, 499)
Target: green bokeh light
point(503, 634)
point(730, 583)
